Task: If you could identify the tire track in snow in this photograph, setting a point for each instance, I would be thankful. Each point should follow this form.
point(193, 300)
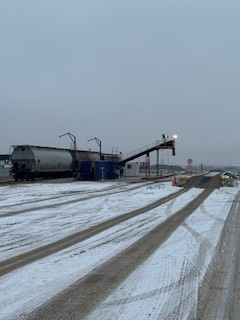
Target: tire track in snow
point(219, 293)
point(83, 296)
point(200, 264)
point(9, 265)
point(98, 194)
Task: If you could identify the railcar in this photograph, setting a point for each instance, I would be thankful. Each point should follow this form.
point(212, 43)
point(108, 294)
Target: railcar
point(30, 162)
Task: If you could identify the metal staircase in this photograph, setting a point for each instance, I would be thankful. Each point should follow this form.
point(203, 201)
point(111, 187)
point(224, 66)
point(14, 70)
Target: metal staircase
point(148, 149)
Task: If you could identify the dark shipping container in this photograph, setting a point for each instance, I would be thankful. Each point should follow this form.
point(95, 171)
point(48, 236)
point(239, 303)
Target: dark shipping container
point(98, 170)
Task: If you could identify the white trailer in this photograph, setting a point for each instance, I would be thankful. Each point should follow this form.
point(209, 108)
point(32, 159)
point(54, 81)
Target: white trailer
point(131, 169)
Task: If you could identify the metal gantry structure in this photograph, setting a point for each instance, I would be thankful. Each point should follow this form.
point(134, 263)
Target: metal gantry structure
point(158, 145)
point(72, 137)
point(148, 149)
point(98, 141)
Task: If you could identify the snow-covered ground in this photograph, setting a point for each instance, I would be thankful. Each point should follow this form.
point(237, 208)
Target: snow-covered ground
point(154, 291)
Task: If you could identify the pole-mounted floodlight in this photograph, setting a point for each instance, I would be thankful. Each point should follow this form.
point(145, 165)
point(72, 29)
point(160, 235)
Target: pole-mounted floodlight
point(72, 137)
point(174, 143)
point(98, 141)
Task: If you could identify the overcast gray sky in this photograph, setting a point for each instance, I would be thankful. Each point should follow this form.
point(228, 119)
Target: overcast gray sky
point(124, 71)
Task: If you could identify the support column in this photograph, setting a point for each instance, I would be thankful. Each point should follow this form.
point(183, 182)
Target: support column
point(148, 165)
point(157, 162)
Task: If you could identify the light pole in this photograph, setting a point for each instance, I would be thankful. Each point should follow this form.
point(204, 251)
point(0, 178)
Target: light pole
point(174, 146)
point(72, 137)
point(98, 141)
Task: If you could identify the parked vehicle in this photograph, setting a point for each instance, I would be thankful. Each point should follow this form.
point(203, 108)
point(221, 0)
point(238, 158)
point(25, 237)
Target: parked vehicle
point(227, 175)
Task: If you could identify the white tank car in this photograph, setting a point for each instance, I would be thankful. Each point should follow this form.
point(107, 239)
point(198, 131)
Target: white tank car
point(29, 162)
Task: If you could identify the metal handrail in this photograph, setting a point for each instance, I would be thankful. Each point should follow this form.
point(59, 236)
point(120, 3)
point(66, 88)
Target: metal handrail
point(138, 151)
